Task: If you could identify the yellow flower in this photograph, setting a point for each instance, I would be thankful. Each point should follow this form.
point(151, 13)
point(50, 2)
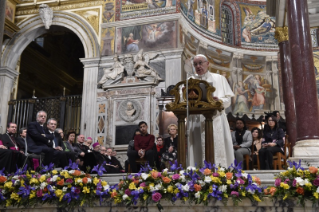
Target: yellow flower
point(86, 190)
point(58, 178)
point(54, 172)
point(210, 189)
point(104, 183)
point(42, 178)
point(256, 198)
point(117, 200)
point(225, 195)
point(205, 197)
point(316, 195)
point(19, 199)
point(22, 183)
point(145, 196)
point(308, 185)
point(14, 196)
point(82, 202)
point(32, 194)
point(32, 171)
point(61, 197)
point(185, 199)
point(221, 174)
point(243, 193)
point(215, 179)
point(132, 186)
point(8, 185)
point(284, 185)
point(176, 191)
point(96, 181)
point(34, 180)
point(58, 192)
point(285, 197)
point(69, 186)
point(8, 202)
point(228, 182)
point(170, 189)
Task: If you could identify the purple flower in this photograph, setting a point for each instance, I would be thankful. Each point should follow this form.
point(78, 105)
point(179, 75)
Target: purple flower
point(215, 174)
point(128, 192)
point(77, 191)
point(316, 182)
point(69, 181)
point(143, 185)
point(175, 177)
point(156, 197)
point(277, 182)
point(294, 183)
point(39, 193)
point(159, 174)
point(287, 181)
point(240, 181)
point(235, 193)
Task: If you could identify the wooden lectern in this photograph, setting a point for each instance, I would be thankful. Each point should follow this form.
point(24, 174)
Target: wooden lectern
point(200, 101)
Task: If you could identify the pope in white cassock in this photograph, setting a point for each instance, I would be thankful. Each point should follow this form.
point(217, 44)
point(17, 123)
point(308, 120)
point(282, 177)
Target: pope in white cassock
point(224, 153)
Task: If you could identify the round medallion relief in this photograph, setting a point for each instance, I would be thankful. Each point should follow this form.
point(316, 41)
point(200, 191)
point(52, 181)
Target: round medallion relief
point(129, 110)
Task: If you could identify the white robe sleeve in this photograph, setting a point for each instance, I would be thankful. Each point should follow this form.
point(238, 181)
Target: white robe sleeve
point(227, 94)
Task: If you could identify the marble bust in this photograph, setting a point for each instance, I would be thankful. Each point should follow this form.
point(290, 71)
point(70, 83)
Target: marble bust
point(130, 109)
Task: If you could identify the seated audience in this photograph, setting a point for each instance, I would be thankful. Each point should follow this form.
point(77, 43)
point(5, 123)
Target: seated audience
point(10, 142)
point(38, 142)
point(6, 160)
point(257, 136)
point(170, 144)
point(131, 147)
point(280, 121)
point(114, 153)
point(96, 146)
point(69, 146)
point(242, 140)
point(88, 142)
point(60, 132)
point(112, 164)
point(160, 150)
point(57, 140)
point(21, 140)
point(143, 147)
point(80, 147)
point(272, 142)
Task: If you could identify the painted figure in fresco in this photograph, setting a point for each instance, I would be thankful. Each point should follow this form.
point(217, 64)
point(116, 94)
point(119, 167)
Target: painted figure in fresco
point(241, 99)
point(257, 92)
point(190, 7)
point(112, 73)
point(131, 44)
point(263, 28)
point(247, 34)
point(155, 31)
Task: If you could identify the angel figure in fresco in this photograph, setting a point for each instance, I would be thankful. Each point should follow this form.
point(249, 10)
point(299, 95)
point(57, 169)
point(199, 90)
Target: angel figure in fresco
point(247, 34)
point(131, 44)
point(142, 68)
point(155, 31)
point(249, 14)
point(241, 99)
point(256, 92)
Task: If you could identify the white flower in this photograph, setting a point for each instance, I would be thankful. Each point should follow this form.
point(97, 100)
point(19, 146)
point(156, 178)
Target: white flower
point(207, 179)
point(64, 189)
point(191, 168)
point(71, 171)
point(197, 195)
point(152, 188)
point(185, 187)
point(107, 187)
point(221, 169)
point(222, 188)
point(4, 191)
point(125, 196)
point(202, 183)
point(89, 180)
point(53, 179)
point(306, 181)
point(165, 170)
point(244, 175)
point(317, 190)
point(251, 191)
point(43, 185)
point(300, 181)
point(181, 172)
point(15, 177)
point(289, 168)
point(158, 187)
point(78, 181)
point(144, 176)
point(16, 182)
point(182, 178)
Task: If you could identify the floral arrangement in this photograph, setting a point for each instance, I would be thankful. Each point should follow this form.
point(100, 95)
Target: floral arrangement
point(193, 185)
point(296, 182)
point(68, 188)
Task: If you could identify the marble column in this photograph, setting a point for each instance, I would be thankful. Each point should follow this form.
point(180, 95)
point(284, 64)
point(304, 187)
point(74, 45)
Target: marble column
point(281, 35)
point(307, 112)
point(89, 111)
point(173, 66)
point(2, 20)
point(7, 78)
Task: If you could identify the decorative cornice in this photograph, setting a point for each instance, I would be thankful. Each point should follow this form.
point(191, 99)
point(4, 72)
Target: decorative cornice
point(6, 71)
point(281, 34)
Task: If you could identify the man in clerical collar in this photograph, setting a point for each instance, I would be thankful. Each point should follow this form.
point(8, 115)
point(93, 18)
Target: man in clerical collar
point(143, 147)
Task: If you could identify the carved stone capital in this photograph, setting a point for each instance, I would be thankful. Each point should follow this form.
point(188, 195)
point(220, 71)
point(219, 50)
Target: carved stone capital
point(281, 34)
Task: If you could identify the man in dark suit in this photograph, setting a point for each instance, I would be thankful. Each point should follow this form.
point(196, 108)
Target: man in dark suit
point(9, 140)
point(39, 142)
point(23, 139)
point(57, 140)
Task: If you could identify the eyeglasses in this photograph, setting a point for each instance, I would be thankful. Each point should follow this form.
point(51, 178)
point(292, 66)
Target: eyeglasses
point(200, 63)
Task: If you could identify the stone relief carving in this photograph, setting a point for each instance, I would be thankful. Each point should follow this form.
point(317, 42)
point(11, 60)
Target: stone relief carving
point(129, 110)
point(129, 67)
point(114, 74)
point(142, 69)
point(46, 14)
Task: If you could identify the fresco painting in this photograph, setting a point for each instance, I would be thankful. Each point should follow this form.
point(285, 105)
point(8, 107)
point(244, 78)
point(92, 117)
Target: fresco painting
point(256, 25)
point(107, 43)
point(10, 11)
point(147, 37)
point(316, 63)
point(136, 5)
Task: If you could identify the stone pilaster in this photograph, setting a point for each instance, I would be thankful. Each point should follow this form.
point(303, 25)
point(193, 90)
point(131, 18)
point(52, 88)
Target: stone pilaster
point(2, 20)
point(173, 66)
point(7, 78)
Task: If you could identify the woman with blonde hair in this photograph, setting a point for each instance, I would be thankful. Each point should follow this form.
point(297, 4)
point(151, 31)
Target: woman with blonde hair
point(170, 144)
